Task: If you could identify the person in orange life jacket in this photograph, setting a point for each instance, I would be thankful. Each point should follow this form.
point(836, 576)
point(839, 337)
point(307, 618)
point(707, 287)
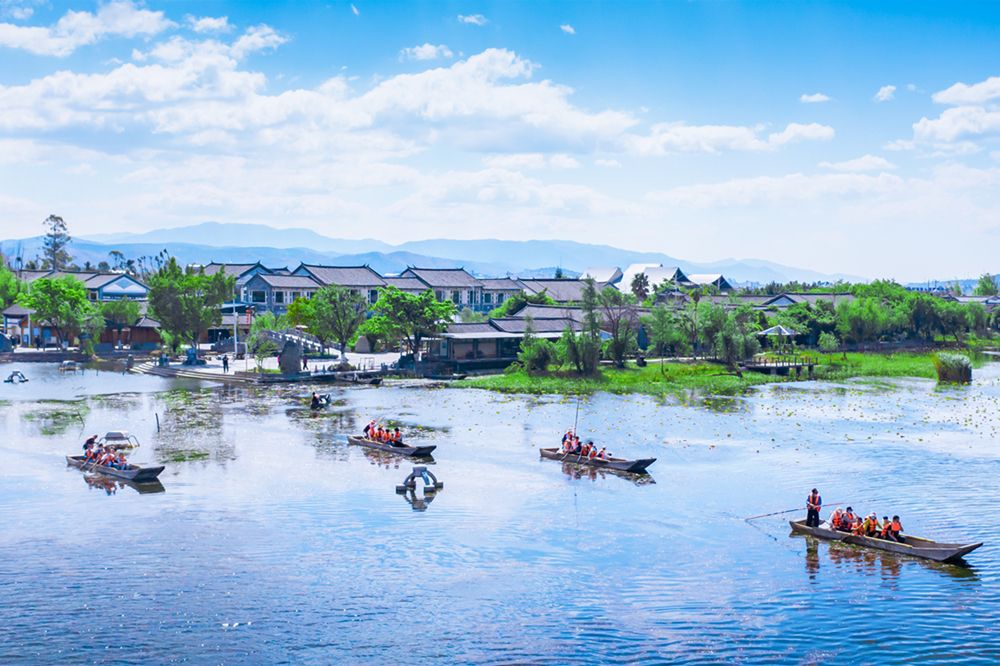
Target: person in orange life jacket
point(870, 526)
point(886, 528)
point(813, 504)
point(895, 527)
point(602, 454)
point(577, 446)
point(369, 431)
point(835, 518)
point(397, 437)
point(90, 443)
point(847, 520)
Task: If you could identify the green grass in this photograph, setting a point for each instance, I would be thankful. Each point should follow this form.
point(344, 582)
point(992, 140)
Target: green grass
point(706, 378)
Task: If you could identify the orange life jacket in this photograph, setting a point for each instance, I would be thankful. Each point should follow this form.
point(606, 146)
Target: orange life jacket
point(897, 526)
point(835, 519)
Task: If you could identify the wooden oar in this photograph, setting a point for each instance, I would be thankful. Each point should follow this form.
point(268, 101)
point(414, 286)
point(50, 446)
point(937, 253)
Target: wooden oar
point(798, 508)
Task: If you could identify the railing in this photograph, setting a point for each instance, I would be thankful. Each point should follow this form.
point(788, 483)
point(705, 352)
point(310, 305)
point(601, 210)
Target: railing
point(780, 362)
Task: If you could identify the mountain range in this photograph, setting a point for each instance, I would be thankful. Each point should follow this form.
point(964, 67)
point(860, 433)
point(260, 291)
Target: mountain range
point(246, 243)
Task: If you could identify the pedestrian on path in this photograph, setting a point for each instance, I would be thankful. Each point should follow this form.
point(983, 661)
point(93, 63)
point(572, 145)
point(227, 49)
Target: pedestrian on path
point(225, 363)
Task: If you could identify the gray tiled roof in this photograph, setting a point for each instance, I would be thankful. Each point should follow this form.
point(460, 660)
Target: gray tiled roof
point(500, 284)
point(446, 278)
point(561, 291)
point(541, 325)
point(233, 270)
point(343, 276)
point(405, 283)
point(289, 281)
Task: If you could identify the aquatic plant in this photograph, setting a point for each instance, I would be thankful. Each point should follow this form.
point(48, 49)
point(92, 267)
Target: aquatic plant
point(953, 368)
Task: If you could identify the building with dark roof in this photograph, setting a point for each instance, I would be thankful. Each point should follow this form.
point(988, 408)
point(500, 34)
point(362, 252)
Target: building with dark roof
point(362, 280)
point(450, 284)
point(274, 293)
point(561, 290)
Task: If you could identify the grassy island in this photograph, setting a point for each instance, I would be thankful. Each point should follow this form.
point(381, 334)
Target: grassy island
point(703, 376)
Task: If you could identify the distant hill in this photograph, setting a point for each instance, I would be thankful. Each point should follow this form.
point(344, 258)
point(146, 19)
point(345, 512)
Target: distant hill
point(244, 243)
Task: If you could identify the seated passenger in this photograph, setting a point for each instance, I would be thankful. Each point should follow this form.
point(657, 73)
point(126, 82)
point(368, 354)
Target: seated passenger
point(593, 452)
point(871, 526)
point(847, 520)
point(895, 527)
point(577, 445)
point(886, 527)
point(602, 454)
point(835, 518)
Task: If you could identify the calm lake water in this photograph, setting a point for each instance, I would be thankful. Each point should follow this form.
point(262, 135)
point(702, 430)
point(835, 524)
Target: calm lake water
point(273, 541)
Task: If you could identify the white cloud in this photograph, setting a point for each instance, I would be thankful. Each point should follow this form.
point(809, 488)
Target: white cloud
point(683, 138)
point(355, 11)
point(18, 12)
point(522, 161)
point(885, 93)
point(472, 19)
point(75, 29)
point(771, 189)
point(814, 98)
point(258, 38)
point(957, 123)
point(426, 52)
point(863, 163)
point(208, 23)
point(975, 94)
point(568, 29)
point(610, 164)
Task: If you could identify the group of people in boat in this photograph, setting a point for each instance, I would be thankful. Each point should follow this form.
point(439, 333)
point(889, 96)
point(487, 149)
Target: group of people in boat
point(385, 435)
point(847, 521)
point(99, 454)
point(571, 445)
point(869, 526)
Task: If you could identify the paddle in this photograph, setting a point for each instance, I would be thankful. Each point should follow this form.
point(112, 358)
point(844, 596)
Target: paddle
point(576, 421)
point(778, 513)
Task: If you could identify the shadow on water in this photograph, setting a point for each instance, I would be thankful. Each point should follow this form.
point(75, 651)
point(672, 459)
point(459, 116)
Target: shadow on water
point(868, 561)
point(575, 471)
point(387, 460)
point(111, 485)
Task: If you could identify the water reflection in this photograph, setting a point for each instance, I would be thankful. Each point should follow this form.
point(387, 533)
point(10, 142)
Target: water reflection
point(417, 502)
point(871, 562)
point(111, 485)
point(387, 460)
point(575, 471)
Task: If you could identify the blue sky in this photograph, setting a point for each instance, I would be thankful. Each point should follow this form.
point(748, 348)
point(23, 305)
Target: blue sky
point(848, 137)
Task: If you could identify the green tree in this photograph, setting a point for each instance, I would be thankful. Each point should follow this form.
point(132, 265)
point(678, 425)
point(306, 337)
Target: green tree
point(665, 333)
point(186, 302)
point(535, 354)
point(828, 342)
point(409, 317)
point(337, 314)
point(62, 302)
point(987, 286)
point(10, 286)
point(640, 286)
point(120, 314)
point(54, 245)
point(621, 320)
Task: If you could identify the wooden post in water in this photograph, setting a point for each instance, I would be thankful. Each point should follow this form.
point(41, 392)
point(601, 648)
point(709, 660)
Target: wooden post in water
point(157, 421)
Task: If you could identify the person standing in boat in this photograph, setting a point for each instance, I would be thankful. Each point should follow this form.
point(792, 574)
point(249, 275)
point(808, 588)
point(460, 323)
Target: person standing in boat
point(813, 503)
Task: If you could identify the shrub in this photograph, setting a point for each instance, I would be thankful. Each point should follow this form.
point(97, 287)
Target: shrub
point(953, 368)
point(828, 342)
point(536, 354)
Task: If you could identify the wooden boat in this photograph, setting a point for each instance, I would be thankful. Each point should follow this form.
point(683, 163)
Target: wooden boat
point(914, 546)
point(132, 473)
point(415, 451)
point(619, 464)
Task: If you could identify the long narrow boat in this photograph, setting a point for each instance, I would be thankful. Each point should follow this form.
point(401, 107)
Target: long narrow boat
point(914, 546)
point(415, 451)
point(133, 473)
point(619, 464)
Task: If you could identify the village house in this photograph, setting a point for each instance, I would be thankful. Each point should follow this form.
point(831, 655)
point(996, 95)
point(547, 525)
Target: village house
point(359, 280)
point(274, 293)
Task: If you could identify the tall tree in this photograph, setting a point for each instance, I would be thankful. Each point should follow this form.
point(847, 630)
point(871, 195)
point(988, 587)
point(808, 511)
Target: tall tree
point(186, 302)
point(337, 315)
point(409, 317)
point(665, 332)
point(621, 319)
point(987, 286)
point(120, 314)
point(62, 302)
point(57, 239)
point(640, 286)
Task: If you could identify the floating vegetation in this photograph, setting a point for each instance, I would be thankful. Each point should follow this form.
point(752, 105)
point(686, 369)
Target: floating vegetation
point(953, 368)
point(56, 421)
point(185, 455)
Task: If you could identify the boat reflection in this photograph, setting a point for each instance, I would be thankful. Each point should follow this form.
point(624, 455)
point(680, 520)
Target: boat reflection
point(869, 561)
point(111, 485)
point(388, 460)
point(575, 471)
